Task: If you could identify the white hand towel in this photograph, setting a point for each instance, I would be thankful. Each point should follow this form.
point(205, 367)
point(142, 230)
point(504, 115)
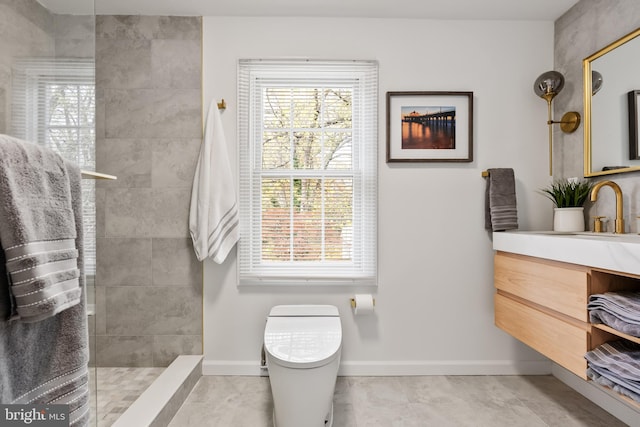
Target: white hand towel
point(213, 217)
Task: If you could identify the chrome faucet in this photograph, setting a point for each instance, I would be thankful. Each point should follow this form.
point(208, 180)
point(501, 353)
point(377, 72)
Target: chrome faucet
point(619, 224)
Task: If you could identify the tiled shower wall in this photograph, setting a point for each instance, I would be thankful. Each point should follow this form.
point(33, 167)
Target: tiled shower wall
point(74, 36)
point(27, 30)
point(30, 31)
point(148, 133)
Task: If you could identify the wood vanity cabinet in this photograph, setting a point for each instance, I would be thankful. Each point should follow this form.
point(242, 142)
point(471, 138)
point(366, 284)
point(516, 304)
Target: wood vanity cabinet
point(543, 303)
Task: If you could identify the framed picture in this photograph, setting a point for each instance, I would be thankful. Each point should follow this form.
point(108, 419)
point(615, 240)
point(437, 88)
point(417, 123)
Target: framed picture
point(634, 124)
point(429, 126)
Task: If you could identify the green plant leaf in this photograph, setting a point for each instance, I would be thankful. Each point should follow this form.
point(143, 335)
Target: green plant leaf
point(568, 194)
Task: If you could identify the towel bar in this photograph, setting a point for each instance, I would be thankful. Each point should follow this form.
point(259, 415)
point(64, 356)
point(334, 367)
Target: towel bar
point(96, 175)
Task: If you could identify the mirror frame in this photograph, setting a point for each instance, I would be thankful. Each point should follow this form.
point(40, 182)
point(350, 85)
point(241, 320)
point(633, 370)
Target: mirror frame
point(586, 69)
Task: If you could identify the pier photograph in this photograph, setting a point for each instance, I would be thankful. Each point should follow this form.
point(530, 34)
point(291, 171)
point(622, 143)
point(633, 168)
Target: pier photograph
point(428, 127)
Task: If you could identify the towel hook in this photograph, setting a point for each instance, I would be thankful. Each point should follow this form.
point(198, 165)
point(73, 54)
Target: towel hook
point(222, 105)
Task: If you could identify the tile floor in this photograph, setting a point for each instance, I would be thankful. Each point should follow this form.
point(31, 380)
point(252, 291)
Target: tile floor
point(116, 389)
point(438, 401)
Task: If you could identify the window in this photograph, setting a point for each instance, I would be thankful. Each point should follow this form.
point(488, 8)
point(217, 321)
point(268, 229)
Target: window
point(308, 180)
point(53, 104)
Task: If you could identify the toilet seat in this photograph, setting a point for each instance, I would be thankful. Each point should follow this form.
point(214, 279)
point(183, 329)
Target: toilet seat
point(303, 337)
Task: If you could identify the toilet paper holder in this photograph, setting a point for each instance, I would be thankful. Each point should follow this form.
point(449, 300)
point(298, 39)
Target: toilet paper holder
point(353, 302)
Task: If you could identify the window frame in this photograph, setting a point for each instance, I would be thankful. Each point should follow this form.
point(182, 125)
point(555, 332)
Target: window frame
point(32, 79)
point(253, 75)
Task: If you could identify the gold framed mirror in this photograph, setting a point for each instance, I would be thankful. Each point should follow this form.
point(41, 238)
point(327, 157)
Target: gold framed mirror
point(608, 127)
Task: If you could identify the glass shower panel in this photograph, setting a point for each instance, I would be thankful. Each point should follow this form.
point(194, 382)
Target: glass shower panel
point(47, 96)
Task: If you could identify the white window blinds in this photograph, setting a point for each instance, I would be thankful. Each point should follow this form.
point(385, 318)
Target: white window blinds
point(53, 104)
point(308, 172)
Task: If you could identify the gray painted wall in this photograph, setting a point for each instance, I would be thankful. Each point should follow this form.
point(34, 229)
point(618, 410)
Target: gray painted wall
point(586, 28)
point(149, 130)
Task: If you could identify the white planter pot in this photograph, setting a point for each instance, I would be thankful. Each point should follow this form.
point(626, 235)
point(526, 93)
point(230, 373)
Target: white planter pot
point(568, 219)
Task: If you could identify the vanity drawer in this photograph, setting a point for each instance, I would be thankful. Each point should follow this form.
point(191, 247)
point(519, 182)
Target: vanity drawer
point(558, 286)
point(560, 341)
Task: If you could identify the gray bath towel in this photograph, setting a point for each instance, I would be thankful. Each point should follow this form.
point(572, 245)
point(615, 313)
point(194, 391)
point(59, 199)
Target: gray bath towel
point(619, 310)
point(618, 362)
point(624, 304)
point(619, 357)
point(501, 211)
point(607, 318)
point(38, 230)
point(43, 352)
point(603, 378)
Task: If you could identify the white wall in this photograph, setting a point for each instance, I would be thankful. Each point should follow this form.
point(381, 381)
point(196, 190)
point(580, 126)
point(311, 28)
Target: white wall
point(434, 310)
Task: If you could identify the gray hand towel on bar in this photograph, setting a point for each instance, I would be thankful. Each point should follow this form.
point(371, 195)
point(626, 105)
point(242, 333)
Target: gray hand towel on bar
point(38, 230)
point(501, 211)
point(43, 332)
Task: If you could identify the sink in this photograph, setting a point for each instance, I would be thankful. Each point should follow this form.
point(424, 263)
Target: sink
point(627, 237)
point(552, 233)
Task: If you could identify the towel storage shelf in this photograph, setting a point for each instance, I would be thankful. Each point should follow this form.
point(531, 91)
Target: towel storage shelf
point(618, 333)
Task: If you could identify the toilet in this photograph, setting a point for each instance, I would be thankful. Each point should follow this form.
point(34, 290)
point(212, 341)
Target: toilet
point(302, 346)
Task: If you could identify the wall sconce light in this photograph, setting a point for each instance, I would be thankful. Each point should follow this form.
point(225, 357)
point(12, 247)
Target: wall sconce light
point(596, 82)
point(547, 86)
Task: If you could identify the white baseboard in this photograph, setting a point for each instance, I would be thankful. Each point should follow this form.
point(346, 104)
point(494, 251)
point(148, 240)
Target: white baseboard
point(607, 400)
point(396, 368)
point(232, 367)
point(443, 367)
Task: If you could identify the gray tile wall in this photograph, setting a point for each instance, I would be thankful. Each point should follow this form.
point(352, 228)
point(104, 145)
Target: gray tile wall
point(149, 130)
point(586, 28)
point(27, 30)
point(74, 36)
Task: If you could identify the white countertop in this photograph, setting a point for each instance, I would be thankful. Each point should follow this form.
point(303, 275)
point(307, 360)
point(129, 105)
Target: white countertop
point(600, 250)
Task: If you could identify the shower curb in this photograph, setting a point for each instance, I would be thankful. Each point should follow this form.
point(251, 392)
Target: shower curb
point(159, 403)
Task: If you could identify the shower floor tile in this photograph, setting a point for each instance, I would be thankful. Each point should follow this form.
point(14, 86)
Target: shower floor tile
point(439, 401)
point(116, 390)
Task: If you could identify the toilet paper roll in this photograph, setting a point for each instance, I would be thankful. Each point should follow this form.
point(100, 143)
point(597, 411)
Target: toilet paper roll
point(364, 304)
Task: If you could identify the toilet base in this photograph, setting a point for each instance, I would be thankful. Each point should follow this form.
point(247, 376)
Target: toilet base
point(327, 422)
point(303, 397)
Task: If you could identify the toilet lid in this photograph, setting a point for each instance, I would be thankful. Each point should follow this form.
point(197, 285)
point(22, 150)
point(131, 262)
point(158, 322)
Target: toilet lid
point(302, 342)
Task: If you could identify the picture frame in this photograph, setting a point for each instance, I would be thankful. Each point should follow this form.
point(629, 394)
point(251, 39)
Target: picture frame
point(633, 98)
point(429, 127)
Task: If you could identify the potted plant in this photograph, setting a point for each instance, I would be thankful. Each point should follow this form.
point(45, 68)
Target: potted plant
point(568, 196)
